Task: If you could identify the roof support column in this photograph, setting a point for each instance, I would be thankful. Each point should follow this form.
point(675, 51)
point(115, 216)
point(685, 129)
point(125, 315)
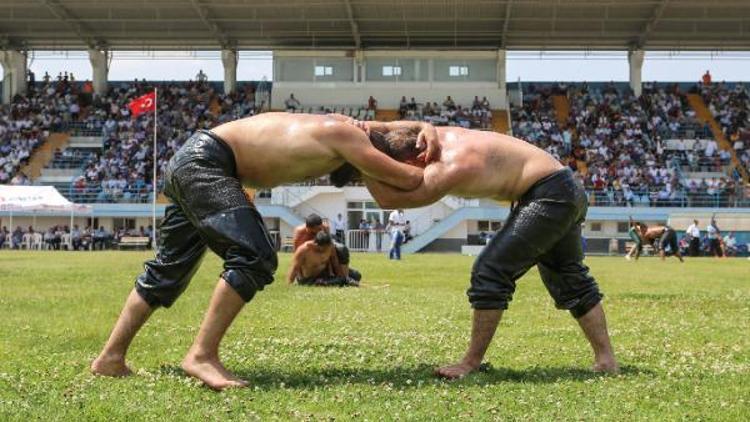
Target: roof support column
point(359, 66)
point(501, 75)
point(99, 69)
point(14, 74)
point(229, 60)
point(635, 61)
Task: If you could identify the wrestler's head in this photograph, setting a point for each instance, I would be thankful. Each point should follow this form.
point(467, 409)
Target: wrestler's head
point(314, 224)
point(323, 239)
point(401, 145)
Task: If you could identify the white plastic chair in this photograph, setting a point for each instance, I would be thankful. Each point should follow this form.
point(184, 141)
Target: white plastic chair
point(26, 241)
point(37, 241)
point(67, 242)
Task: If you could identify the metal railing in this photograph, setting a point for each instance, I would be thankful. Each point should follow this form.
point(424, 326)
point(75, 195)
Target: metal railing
point(354, 111)
point(367, 240)
point(680, 199)
point(99, 196)
point(93, 128)
point(69, 162)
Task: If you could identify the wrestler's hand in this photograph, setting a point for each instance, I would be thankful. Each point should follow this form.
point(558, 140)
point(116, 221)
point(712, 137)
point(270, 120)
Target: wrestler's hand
point(360, 124)
point(428, 139)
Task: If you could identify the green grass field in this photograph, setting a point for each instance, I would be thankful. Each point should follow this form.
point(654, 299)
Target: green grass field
point(681, 333)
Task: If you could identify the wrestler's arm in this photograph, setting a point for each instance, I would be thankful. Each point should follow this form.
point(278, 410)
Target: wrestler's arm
point(355, 147)
point(298, 237)
point(296, 265)
point(439, 179)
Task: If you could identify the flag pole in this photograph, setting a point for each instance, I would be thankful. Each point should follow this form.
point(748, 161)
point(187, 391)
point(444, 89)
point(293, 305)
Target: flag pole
point(153, 202)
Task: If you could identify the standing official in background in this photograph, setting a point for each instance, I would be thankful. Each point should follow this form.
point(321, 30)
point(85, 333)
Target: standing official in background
point(714, 239)
point(339, 227)
point(396, 229)
point(695, 238)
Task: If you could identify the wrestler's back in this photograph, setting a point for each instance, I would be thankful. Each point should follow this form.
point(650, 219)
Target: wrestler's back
point(493, 165)
point(275, 148)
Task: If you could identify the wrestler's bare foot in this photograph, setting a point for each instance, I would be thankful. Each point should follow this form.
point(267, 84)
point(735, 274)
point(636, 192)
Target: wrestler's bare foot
point(457, 370)
point(110, 366)
point(607, 366)
point(211, 372)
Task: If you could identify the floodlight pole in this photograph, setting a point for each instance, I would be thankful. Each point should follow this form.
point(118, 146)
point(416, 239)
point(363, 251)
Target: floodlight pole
point(153, 202)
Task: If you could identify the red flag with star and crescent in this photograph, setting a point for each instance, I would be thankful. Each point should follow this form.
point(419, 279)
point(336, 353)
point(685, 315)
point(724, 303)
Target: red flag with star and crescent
point(143, 104)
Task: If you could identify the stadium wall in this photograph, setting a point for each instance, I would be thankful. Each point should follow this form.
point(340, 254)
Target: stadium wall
point(347, 78)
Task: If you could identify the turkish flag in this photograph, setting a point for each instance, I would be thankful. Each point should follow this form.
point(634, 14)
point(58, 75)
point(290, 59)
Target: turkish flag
point(143, 104)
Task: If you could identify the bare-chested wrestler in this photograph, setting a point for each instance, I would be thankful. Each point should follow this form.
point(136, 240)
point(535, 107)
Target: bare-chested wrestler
point(315, 264)
point(544, 228)
point(635, 229)
point(338, 266)
point(209, 210)
point(662, 237)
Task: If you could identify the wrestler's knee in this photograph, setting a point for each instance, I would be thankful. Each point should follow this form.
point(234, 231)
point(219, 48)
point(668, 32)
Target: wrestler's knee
point(164, 280)
point(159, 292)
point(576, 292)
point(490, 286)
point(586, 303)
point(247, 273)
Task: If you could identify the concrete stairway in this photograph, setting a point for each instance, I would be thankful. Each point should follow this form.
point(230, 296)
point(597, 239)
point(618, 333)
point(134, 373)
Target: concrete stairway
point(500, 121)
point(214, 107)
point(451, 221)
point(705, 116)
point(44, 154)
point(562, 109)
point(386, 115)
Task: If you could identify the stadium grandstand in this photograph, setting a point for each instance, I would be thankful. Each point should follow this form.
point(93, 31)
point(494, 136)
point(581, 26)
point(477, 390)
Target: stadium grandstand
point(661, 152)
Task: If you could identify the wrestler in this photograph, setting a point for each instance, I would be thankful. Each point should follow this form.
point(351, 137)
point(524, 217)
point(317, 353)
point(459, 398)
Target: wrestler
point(662, 238)
point(634, 232)
point(338, 264)
point(314, 264)
point(543, 228)
point(209, 210)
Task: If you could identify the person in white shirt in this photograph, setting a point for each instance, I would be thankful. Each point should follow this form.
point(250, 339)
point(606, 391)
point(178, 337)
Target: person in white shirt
point(695, 238)
point(396, 229)
point(339, 227)
point(396, 218)
point(292, 104)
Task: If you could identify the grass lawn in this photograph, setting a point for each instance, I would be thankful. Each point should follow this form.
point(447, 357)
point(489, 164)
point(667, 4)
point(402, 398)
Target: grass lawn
point(681, 333)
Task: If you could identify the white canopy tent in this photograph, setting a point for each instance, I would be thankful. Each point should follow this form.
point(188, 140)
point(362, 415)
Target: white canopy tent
point(37, 198)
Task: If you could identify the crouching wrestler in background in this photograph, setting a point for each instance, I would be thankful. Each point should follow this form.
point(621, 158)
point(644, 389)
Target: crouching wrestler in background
point(320, 262)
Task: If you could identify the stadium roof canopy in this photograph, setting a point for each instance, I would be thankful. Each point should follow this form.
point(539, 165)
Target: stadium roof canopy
point(459, 24)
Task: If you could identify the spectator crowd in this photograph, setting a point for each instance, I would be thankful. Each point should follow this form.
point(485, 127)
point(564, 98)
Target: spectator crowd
point(730, 106)
point(479, 116)
point(628, 150)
